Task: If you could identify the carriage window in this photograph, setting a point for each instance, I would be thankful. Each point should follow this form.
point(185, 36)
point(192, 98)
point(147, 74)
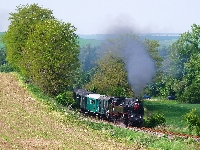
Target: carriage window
point(92, 102)
point(106, 104)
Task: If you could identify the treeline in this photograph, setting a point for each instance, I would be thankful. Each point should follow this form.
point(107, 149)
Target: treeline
point(46, 52)
point(180, 73)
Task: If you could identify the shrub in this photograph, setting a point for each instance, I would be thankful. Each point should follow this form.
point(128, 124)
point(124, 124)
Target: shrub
point(193, 121)
point(6, 68)
point(155, 120)
point(66, 99)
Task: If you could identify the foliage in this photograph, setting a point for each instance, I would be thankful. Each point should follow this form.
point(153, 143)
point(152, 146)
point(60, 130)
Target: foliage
point(2, 55)
point(110, 77)
point(52, 61)
point(44, 49)
point(186, 66)
point(4, 66)
point(22, 25)
point(66, 99)
point(88, 57)
point(180, 74)
point(82, 77)
point(152, 47)
point(155, 120)
point(193, 121)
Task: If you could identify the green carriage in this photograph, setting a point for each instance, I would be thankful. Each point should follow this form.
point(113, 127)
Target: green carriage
point(92, 103)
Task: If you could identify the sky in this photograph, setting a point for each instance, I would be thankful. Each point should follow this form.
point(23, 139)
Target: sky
point(107, 16)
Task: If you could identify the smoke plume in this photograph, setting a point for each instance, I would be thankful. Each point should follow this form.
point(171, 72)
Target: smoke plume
point(139, 64)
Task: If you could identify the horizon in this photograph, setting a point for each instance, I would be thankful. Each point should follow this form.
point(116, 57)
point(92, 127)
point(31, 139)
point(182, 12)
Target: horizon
point(113, 16)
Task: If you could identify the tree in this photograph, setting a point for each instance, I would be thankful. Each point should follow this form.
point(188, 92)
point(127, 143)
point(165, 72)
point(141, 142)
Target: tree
point(2, 55)
point(152, 47)
point(128, 59)
point(51, 55)
point(185, 65)
point(42, 48)
point(88, 57)
point(110, 77)
point(22, 25)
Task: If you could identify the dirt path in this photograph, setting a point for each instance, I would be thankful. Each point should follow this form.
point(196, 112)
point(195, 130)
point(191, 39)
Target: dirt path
point(26, 123)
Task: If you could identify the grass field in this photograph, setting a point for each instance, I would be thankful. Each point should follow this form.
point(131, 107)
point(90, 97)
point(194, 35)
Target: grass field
point(92, 42)
point(30, 120)
point(173, 111)
point(27, 123)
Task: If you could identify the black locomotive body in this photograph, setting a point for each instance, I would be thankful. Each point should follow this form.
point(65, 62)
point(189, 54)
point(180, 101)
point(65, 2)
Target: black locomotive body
point(117, 109)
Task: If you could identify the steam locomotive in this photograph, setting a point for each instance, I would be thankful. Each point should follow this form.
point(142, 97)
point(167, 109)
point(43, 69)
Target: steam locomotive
point(116, 109)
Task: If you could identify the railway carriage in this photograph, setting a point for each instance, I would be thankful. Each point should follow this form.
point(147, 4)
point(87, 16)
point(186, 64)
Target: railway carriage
point(128, 110)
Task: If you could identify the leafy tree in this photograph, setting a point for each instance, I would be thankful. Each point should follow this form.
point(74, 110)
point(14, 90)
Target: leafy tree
point(22, 25)
point(185, 65)
point(51, 55)
point(152, 47)
point(88, 57)
point(117, 55)
point(4, 66)
point(192, 81)
point(110, 77)
point(2, 55)
point(42, 48)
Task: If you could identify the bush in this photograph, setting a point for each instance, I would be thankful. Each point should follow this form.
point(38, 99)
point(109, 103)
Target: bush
point(6, 68)
point(193, 121)
point(66, 99)
point(155, 120)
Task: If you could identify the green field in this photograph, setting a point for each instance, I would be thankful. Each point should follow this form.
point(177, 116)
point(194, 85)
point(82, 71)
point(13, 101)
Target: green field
point(92, 42)
point(173, 112)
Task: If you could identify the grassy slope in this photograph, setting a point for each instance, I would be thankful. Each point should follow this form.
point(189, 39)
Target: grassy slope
point(27, 123)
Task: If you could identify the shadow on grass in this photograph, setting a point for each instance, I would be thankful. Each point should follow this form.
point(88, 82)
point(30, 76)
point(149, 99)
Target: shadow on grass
point(173, 112)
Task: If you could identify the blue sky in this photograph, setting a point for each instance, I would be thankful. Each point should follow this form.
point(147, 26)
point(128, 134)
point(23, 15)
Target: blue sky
point(107, 16)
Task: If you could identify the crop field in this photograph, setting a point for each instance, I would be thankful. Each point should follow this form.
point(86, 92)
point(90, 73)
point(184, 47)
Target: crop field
point(29, 120)
point(30, 124)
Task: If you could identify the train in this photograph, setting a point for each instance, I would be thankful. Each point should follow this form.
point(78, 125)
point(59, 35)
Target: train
point(129, 111)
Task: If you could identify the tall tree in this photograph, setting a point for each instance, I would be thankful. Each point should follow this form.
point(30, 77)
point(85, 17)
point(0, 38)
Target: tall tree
point(88, 57)
point(46, 51)
point(111, 77)
point(22, 25)
point(185, 65)
point(52, 55)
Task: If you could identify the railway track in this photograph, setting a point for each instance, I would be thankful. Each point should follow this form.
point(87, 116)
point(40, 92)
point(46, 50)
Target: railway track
point(151, 131)
point(165, 133)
